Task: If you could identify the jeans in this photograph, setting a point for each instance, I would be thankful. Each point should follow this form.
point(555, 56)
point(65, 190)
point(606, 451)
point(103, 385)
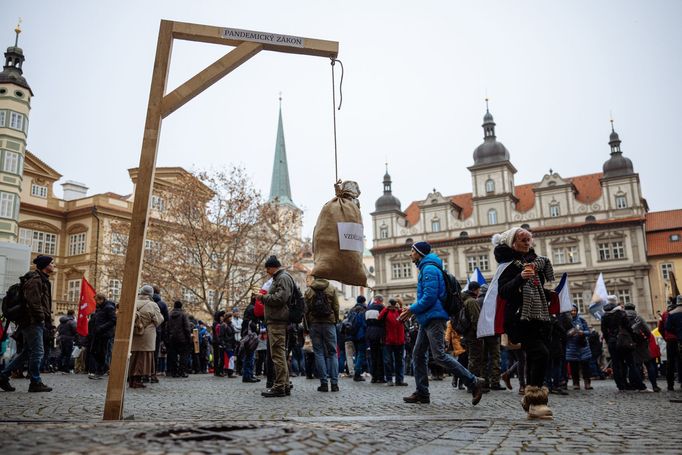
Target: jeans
point(393, 362)
point(249, 361)
point(323, 337)
point(360, 354)
point(33, 349)
point(66, 348)
point(431, 336)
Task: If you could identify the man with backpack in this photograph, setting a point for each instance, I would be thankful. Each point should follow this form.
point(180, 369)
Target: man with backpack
point(431, 291)
point(276, 303)
point(357, 328)
point(35, 319)
point(322, 314)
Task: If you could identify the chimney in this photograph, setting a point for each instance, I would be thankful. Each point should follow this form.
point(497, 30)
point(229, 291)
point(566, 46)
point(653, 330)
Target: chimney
point(74, 190)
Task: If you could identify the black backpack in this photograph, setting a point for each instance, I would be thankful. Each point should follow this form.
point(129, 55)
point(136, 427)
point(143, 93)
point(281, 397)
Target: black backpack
point(13, 304)
point(320, 307)
point(452, 304)
point(296, 306)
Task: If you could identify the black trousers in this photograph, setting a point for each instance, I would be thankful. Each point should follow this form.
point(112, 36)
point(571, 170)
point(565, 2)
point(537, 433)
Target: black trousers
point(674, 363)
point(535, 343)
point(377, 360)
point(178, 357)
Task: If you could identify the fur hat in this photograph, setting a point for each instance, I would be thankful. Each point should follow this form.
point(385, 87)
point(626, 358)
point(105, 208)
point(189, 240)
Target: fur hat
point(42, 261)
point(423, 248)
point(505, 238)
point(272, 262)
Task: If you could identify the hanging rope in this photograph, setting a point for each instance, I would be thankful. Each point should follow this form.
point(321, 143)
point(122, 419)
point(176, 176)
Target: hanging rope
point(336, 152)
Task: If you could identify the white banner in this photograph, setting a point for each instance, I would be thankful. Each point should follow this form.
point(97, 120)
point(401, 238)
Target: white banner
point(263, 37)
point(351, 236)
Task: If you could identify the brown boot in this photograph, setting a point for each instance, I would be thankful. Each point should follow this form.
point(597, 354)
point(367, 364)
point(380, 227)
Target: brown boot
point(537, 402)
point(529, 396)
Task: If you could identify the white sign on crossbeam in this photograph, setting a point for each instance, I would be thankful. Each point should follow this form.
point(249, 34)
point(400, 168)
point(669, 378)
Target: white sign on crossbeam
point(263, 37)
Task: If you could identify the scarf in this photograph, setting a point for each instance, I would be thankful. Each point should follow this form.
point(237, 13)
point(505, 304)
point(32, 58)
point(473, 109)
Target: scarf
point(534, 302)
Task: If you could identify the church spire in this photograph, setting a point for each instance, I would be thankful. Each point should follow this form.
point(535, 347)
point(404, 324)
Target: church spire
point(280, 189)
point(14, 59)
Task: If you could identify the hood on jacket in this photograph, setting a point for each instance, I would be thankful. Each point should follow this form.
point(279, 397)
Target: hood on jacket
point(65, 318)
point(431, 258)
point(319, 284)
point(176, 313)
point(611, 307)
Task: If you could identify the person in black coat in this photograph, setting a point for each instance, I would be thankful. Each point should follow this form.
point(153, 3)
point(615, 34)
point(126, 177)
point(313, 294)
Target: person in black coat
point(160, 329)
point(228, 341)
point(178, 341)
point(218, 361)
point(102, 337)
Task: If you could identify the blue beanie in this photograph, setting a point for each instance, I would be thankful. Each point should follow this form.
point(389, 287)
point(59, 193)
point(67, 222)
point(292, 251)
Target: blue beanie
point(423, 248)
point(360, 299)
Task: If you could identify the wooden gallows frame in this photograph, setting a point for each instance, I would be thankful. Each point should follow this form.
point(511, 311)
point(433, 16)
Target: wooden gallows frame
point(246, 44)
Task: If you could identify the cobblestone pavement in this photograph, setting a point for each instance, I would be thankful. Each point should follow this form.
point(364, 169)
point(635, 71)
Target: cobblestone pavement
point(204, 414)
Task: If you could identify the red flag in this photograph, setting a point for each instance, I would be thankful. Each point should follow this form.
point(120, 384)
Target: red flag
point(86, 306)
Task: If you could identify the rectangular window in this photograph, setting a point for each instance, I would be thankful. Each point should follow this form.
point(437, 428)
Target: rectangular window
point(188, 295)
point(2, 118)
point(73, 292)
point(383, 232)
point(77, 244)
point(157, 203)
point(16, 121)
point(559, 256)
point(40, 242)
point(577, 299)
point(554, 210)
point(481, 261)
point(573, 255)
point(435, 226)
point(665, 270)
point(6, 205)
point(118, 243)
point(604, 251)
point(400, 270)
point(471, 263)
point(618, 250)
point(624, 296)
point(11, 163)
point(39, 191)
point(115, 290)
point(621, 202)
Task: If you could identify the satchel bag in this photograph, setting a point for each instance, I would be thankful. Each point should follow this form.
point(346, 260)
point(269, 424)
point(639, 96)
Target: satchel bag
point(140, 326)
point(249, 342)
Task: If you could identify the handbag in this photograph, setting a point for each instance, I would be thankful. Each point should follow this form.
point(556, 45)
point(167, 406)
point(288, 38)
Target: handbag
point(249, 342)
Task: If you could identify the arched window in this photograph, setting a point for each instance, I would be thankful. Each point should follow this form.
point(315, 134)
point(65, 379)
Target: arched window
point(492, 216)
point(489, 186)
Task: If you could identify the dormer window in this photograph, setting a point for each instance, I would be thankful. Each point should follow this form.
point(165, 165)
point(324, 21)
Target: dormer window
point(39, 191)
point(489, 186)
point(435, 225)
point(492, 216)
point(621, 202)
point(554, 210)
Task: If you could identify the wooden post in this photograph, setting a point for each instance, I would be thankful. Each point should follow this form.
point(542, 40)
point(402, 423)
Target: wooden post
point(247, 44)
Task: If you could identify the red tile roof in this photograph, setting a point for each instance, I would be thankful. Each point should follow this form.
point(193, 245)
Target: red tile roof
point(587, 186)
point(669, 219)
point(659, 243)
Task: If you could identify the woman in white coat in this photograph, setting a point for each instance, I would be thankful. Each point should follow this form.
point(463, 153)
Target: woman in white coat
point(147, 318)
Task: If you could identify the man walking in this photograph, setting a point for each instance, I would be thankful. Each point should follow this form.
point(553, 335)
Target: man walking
point(322, 314)
point(432, 319)
point(277, 318)
point(37, 317)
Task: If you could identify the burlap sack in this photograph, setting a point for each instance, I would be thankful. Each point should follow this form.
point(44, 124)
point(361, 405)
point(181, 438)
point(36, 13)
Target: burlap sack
point(338, 238)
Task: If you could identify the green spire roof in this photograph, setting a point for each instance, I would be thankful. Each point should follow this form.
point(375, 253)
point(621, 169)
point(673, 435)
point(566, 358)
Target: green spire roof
point(280, 190)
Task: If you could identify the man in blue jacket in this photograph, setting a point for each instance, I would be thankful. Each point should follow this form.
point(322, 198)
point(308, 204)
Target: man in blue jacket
point(432, 319)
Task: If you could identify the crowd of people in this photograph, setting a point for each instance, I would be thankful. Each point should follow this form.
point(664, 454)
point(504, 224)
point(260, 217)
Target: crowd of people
point(383, 339)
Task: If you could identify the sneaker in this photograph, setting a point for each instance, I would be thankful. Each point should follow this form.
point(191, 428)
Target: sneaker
point(39, 387)
point(5, 385)
point(646, 391)
point(335, 387)
point(416, 398)
point(477, 391)
point(323, 388)
point(91, 376)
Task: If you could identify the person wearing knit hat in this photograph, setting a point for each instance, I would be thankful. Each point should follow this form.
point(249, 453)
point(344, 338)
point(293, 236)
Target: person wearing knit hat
point(36, 319)
point(272, 262)
point(147, 318)
point(432, 317)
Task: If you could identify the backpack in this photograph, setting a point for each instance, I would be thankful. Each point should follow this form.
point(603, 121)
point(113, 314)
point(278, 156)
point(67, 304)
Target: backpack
point(350, 324)
point(461, 322)
point(13, 304)
point(320, 307)
point(296, 306)
point(452, 304)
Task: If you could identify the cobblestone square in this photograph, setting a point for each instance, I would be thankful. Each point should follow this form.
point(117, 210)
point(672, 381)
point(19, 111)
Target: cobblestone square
point(206, 414)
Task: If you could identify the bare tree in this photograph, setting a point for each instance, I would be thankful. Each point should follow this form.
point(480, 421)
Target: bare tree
point(210, 239)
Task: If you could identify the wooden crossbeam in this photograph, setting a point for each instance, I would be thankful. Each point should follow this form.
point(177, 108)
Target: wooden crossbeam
point(247, 44)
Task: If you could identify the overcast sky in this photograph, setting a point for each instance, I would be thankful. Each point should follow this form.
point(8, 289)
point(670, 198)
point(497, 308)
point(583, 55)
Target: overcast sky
point(413, 93)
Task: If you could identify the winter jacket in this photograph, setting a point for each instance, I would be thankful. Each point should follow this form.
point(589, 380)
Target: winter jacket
point(321, 285)
point(278, 297)
point(674, 322)
point(178, 327)
point(454, 340)
point(667, 334)
point(375, 326)
point(105, 319)
point(430, 291)
point(472, 310)
point(163, 308)
point(149, 312)
point(67, 328)
point(228, 340)
point(394, 329)
point(613, 320)
point(641, 332)
point(577, 346)
point(359, 325)
point(38, 297)
point(249, 321)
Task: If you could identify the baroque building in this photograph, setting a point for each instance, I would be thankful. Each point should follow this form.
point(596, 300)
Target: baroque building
point(587, 224)
point(664, 246)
